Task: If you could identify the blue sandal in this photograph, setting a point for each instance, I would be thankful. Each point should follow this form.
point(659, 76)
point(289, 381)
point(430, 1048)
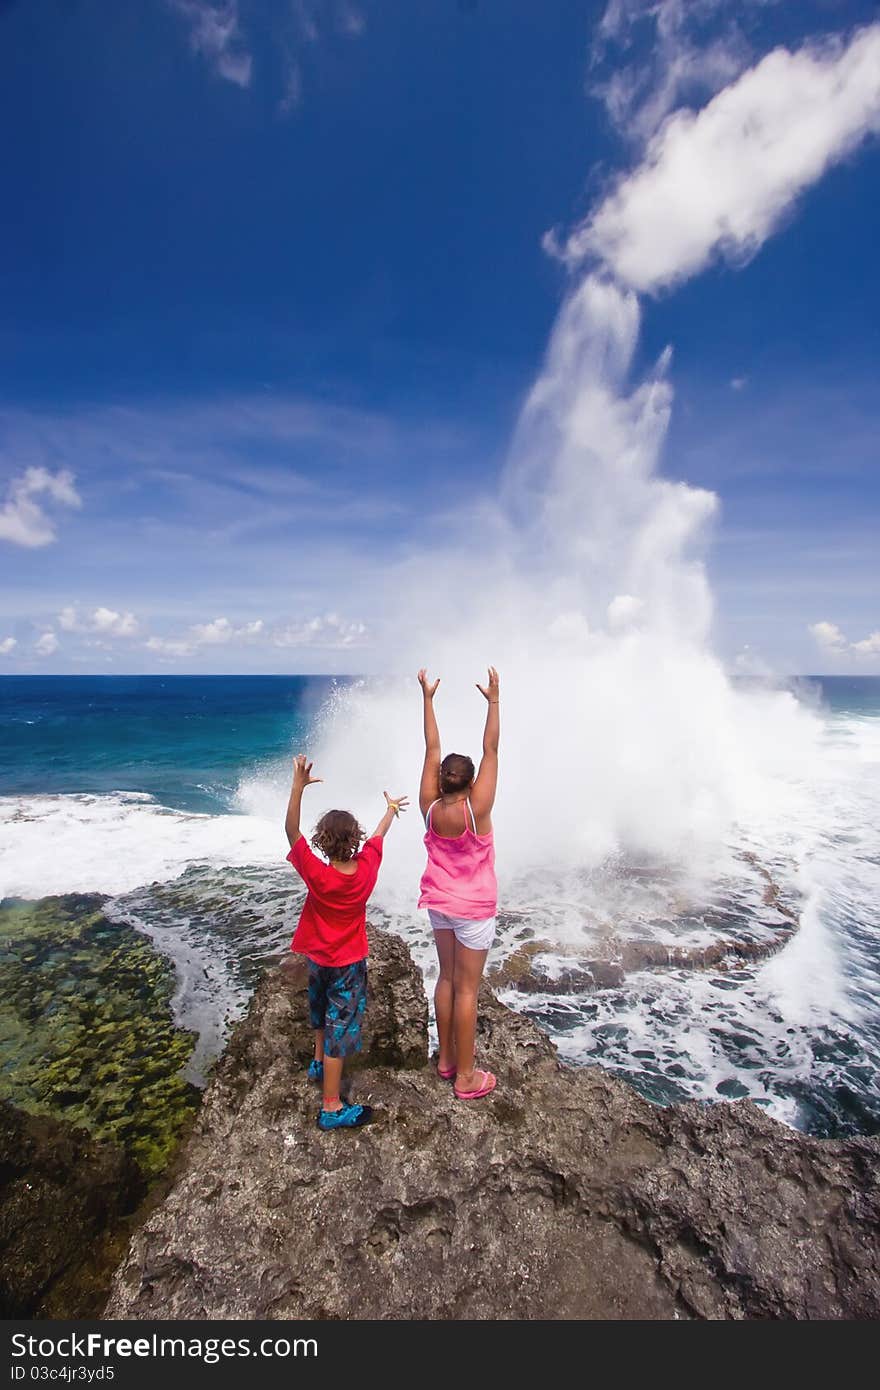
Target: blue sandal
point(349, 1117)
point(316, 1070)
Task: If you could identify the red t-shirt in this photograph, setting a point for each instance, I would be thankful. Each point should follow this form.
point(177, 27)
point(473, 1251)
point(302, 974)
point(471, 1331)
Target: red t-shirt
point(332, 928)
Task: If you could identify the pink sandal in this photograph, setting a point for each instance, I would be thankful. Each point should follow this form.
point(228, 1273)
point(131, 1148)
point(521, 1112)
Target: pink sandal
point(488, 1084)
point(446, 1073)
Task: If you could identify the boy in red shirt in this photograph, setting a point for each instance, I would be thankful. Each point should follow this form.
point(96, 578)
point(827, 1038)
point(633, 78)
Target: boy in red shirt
point(332, 935)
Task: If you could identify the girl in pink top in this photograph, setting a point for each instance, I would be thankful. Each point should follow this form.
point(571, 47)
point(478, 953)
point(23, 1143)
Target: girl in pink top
point(458, 886)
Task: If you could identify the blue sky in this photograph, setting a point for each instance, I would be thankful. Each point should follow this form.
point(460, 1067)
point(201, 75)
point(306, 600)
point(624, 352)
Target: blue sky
point(275, 281)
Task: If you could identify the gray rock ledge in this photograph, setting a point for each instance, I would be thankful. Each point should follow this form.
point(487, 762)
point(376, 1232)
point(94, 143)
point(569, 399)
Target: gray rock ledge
point(563, 1195)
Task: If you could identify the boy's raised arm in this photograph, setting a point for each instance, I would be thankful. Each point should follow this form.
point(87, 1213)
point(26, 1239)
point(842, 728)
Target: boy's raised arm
point(429, 790)
point(302, 778)
point(486, 781)
point(396, 804)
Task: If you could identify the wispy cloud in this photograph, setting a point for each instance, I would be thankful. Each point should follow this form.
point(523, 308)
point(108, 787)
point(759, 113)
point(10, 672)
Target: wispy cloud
point(23, 520)
point(277, 501)
point(327, 631)
point(719, 181)
point(306, 20)
point(660, 53)
point(215, 34)
point(350, 19)
point(219, 34)
point(7, 645)
point(314, 18)
point(293, 86)
point(221, 630)
point(311, 23)
point(240, 466)
point(168, 647)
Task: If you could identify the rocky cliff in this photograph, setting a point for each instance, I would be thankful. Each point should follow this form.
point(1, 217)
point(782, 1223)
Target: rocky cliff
point(563, 1195)
point(63, 1194)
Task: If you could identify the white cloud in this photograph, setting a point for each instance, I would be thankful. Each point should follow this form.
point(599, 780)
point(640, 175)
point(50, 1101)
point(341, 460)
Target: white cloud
point(22, 519)
point(215, 33)
point(738, 383)
point(7, 645)
point(869, 646)
point(168, 647)
point(114, 624)
point(46, 645)
point(717, 182)
point(102, 620)
point(829, 637)
point(831, 640)
point(221, 630)
point(218, 632)
point(327, 631)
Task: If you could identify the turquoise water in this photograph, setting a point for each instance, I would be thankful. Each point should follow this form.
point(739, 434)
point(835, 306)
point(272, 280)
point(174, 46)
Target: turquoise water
point(182, 739)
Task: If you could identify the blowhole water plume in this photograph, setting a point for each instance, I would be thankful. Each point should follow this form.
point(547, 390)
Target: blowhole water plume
point(585, 586)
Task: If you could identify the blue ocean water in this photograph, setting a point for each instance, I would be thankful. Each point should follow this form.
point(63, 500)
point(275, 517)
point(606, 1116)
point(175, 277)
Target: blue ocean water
point(182, 739)
point(848, 696)
point(167, 793)
point(186, 740)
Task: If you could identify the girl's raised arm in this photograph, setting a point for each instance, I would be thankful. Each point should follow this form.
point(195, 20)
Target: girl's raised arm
point(429, 790)
point(486, 781)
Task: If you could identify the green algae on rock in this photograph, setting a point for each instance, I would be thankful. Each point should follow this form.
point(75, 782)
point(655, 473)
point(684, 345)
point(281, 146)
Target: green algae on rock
point(86, 1029)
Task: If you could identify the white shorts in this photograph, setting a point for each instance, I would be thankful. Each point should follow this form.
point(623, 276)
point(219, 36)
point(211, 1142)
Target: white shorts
point(477, 935)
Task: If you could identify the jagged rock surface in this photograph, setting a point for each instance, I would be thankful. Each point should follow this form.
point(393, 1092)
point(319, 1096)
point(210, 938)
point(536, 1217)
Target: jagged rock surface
point(563, 1195)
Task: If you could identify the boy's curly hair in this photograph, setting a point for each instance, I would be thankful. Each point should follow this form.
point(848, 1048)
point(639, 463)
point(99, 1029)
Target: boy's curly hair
point(337, 835)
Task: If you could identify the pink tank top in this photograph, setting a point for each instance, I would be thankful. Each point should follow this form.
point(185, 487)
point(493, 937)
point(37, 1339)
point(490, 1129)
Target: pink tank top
point(460, 876)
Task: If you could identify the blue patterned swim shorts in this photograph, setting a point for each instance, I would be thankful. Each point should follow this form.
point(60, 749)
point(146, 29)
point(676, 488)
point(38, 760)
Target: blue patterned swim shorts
point(337, 1001)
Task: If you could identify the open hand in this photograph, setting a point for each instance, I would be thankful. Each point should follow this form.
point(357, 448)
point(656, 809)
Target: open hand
point(426, 687)
point(491, 691)
point(302, 772)
point(396, 803)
